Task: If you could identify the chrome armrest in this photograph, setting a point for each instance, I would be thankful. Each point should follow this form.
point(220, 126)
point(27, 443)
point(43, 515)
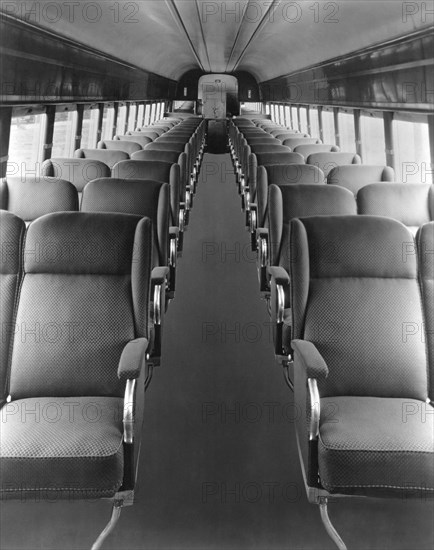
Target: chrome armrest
point(253, 217)
point(173, 245)
point(262, 240)
point(315, 408)
point(181, 217)
point(128, 418)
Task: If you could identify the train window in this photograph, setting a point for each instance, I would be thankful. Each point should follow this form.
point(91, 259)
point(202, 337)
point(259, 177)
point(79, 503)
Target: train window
point(287, 116)
point(65, 124)
point(90, 127)
point(108, 121)
point(347, 131)
point(132, 117)
point(412, 150)
point(282, 115)
point(147, 114)
point(153, 112)
point(372, 134)
point(122, 119)
point(328, 126)
point(26, 140)
point(140, 115)
point(294, 118)
point(314, 122)
point(267, 109)
point(303, 120)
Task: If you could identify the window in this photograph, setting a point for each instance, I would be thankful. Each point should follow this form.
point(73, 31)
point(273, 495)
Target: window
point(347, 131)
point(153, 112)
point(147, 114)
point(26, 142)
point(132, 117)
point(373, 142)
point(288, 116)
point(122, 119)
point(294, 118)
point(314, 122)
point(328, 127)
point(108, 118)
point(65, 124)
point(412, 150)
point(281, 115)
point(303, 120)
point(267, 109)
point(90, 127)
point(140, 115)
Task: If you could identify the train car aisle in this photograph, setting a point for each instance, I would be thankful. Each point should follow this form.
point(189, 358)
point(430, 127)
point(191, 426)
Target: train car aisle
point(219, 468)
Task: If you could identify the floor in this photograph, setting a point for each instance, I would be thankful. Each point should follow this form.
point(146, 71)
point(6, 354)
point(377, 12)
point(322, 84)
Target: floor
point(219, 468)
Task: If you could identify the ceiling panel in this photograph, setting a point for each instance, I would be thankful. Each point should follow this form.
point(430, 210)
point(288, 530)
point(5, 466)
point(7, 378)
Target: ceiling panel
point(268, 38)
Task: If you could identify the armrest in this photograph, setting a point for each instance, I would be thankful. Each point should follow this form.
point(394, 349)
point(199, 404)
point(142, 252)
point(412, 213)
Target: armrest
point(133, 359)
point(262, 240)
point(278, 274)
point(173, 245)
point(159, 275)
point(253, 216)
point(309, 359)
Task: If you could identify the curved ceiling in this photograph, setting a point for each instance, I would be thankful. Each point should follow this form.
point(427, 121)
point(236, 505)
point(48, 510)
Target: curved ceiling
point(268, 38)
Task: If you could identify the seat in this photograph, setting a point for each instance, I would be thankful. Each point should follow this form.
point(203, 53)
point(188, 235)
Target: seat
point(152, 134)
point(11, 242)
point(83, 369)
point(109, 157)
point(153, 155)
point(260, 149)
point(78, 171)
point(328, 161)
point(177, 146)
point(145, 198)
point(158, 171)
point(32, 197)
point(358, 369)
point(284, 204)
point(410, 203)
point(120, 145)
point(355, 176)
point(141, 138)
point(307, 150)
point(295, 141)
point(276, 132)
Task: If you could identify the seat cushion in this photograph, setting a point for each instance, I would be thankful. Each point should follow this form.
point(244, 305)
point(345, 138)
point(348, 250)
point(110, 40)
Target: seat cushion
point(62, 447)
point(376, 446)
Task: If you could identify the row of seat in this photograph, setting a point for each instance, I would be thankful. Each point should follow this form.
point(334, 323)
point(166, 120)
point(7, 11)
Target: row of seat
point(78, 289)
point(352, 308)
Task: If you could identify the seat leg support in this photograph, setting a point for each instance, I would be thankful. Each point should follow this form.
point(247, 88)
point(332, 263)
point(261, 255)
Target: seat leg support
point(116, 512)
point(331, 531)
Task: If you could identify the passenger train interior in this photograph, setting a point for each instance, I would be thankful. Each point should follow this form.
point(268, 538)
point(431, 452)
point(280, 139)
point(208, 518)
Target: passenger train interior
point(217, 275)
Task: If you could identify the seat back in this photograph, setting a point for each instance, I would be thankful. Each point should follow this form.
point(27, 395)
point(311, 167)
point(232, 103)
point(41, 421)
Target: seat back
point(152, 134)
point(11, 242)
point(425, 247)
point(78, 171)
point(293, 141)
point(282, 174)
point(328, 161)
point(410, 203)
point(139, 137)
point(156, 171)
point(109, 157)
point(32, 197)
point(307, 150)
point(355, 176)
point(140, 197)
point(84, 295)
point(294, 201)
point(262, 148)
point(177, 146)
point(162, 156)
point(353, 296)
point(120, 145)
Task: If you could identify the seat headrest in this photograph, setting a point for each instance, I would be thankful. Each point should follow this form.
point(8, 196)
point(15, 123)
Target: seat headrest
point(164, 156)
point(354, 246)
point(425, 245)
point(142, 169)
point(270, 149)
point(294, 141)
point(282, 174)
point(31, 197)
point(279, 158)
point(307, 150)
point(79, 171)
point(355, 176)
point(110, 157)
point(11, 236)
point(82, 243)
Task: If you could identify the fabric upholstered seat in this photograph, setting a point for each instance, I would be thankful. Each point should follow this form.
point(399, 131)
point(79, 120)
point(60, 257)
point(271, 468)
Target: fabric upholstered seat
point(11, 242)
point(278, 148)
point(295, 141)
point(78, 171)
point(410, 203)
point(32, 197)
point(151, 134)
point(328, 161)
point(109, 157)
point(120, 145)
point(162, 156)
point(359, 365)
point(142, 140)
point(177, 146)
point(356, 176)
point(307, 150)
point(87, 293)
